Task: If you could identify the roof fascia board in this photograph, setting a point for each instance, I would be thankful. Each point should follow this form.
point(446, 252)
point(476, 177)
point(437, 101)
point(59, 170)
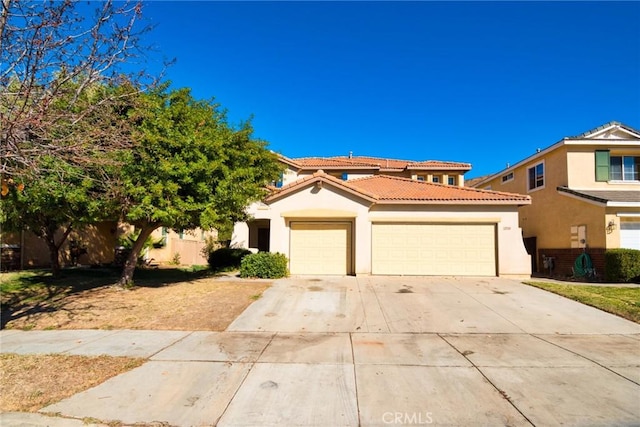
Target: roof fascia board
point(340, 167)
point(439, 168)
point(614, 142)
point(454, 202)
point(288, 161)
point(623, 204)
point(582, 199)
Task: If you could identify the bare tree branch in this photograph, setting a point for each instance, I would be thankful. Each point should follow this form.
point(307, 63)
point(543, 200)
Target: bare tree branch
point(59, 66)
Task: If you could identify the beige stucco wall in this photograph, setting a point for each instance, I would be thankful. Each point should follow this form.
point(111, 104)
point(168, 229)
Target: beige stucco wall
point(312, 203)
point(289, 175)
point(552, 214)
point(188, 245)
point(99, 240)
point(581, 164)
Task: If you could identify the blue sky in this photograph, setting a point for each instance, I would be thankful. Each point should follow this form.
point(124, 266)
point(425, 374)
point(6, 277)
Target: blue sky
point(479, 82)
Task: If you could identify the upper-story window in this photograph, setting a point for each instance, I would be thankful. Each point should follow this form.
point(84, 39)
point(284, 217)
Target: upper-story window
point(617, 168)
point(624, 168)
point(451, 180)
point(420, 178)
point(507, 177)
point(436, 178)
point(536, 176)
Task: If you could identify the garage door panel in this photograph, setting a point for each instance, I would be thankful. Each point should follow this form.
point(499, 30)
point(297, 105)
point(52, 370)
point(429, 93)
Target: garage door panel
point(630, 235)
point(320, 248)
point(434, 249)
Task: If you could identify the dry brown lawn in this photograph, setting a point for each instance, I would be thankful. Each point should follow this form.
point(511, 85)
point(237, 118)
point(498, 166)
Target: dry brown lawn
point(164, 300)
point(31, 382)
point(200, 304)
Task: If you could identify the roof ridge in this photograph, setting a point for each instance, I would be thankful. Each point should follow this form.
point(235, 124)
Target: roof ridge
point(323, 175)
point(438, 161)
point(376, 157)
point(343, 160)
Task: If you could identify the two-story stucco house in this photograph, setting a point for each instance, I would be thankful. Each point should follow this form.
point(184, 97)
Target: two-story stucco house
point(363, 215)
point(585, 196)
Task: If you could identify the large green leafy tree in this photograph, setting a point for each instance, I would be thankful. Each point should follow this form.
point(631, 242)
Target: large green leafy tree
point(54, 202)
point(188, 168)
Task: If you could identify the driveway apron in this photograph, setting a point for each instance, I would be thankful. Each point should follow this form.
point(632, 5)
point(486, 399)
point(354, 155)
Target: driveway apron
point(373, 351)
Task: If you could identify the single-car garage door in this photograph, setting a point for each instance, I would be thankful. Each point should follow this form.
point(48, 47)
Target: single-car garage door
point(434, 249)
point(630, 235)
point(320, 248)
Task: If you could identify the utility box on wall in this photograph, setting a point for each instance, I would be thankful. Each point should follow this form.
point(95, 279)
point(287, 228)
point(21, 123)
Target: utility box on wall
point(579, 236)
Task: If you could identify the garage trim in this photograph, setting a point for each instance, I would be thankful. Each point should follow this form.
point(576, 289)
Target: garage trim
point(436, 220)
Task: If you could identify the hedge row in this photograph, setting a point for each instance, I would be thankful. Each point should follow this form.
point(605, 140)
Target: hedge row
point(265, 265)
point(622, 265)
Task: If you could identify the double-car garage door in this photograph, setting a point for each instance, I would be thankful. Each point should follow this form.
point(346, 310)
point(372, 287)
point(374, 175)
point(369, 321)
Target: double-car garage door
point(396, 248)
point(434, 249)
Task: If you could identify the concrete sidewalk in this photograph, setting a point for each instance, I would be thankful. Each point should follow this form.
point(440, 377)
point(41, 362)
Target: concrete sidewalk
point(367, 351)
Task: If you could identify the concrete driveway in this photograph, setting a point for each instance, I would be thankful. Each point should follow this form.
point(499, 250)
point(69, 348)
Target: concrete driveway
point(373, 351)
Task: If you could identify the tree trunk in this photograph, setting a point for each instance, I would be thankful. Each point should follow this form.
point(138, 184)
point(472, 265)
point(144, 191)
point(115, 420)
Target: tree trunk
point(49, 236)
point(54, 256)
point(126, 279)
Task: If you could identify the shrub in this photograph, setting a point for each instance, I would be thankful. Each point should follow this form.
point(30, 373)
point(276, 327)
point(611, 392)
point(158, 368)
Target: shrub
point(227, 258)
point(622, 265)
point(265, 265)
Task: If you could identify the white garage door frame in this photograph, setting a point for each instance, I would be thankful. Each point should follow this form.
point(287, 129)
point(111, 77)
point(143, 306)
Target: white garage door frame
point(459, 248)
point(327, 254)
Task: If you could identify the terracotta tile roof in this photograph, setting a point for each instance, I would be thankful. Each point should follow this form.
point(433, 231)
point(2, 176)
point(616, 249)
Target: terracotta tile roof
point(319, 176)
point(394, 189)
point(377, 163)
point(388, 190)
point(332, 162)
point(437, 164)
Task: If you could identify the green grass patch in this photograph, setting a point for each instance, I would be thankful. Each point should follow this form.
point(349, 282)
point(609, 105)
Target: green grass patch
point(19, 280)
point(624, 302)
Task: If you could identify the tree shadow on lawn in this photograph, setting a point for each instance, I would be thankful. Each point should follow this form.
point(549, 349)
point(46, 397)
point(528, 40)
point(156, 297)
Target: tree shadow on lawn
point(29, 294)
